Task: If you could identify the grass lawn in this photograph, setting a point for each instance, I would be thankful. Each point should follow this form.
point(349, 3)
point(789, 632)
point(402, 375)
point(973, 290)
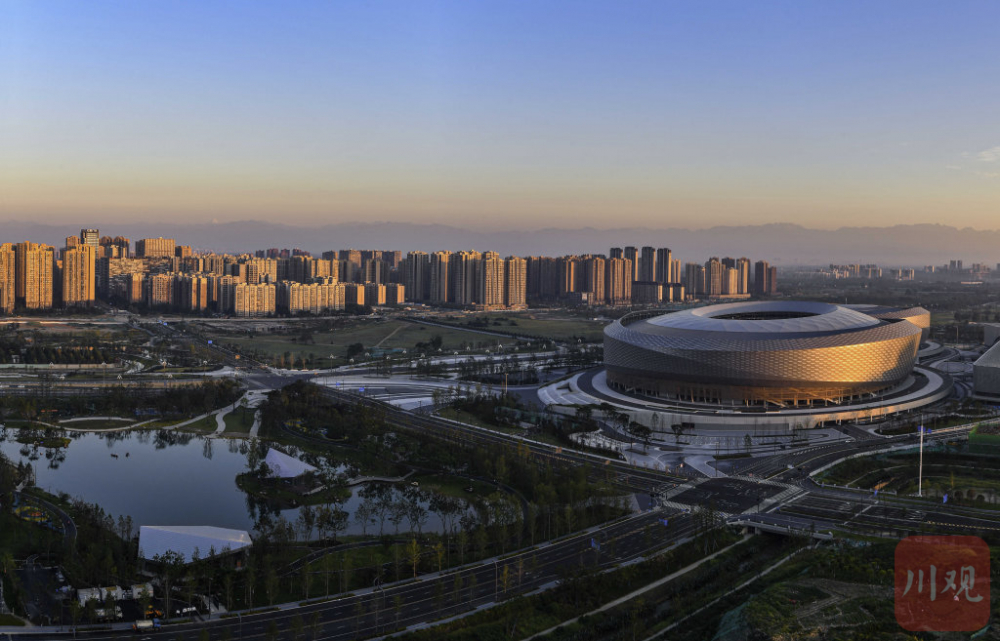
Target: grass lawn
point(22, 538)
point(393, 334)
point(96, 424)
point(471, 419)
point(453, 486)
point(466, 417)
point(205, 425)
point(543, 326)
point(238, 421)
point(11, 620)
point(560, 328)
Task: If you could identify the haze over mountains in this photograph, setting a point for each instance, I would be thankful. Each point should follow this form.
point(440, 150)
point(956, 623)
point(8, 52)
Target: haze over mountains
point(781, 244)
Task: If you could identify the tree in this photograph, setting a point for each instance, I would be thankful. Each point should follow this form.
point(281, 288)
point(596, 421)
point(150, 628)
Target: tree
point(359, 611)
point(315, 625)
point(307, 579)
point(270, 581)
point(363, 515)
point(170, 563)
point(414, 555)
point(439, 554)
point(641, 432)
point(227, 588)
point(298, 627)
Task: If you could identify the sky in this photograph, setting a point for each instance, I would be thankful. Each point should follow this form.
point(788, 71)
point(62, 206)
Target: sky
point(501, 115)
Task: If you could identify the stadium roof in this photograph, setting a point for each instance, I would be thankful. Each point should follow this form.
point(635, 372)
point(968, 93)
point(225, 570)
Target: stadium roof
point(185, 539)
point(284, 466)
point(806, 317)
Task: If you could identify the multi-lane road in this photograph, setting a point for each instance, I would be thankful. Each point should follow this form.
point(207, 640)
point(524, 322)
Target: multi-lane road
point(380, 611)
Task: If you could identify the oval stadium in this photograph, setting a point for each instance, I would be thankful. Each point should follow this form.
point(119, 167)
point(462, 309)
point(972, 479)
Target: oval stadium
point(785, 353)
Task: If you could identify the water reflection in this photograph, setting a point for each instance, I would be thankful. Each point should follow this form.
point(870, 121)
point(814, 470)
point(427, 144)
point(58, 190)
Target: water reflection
point(175, 478)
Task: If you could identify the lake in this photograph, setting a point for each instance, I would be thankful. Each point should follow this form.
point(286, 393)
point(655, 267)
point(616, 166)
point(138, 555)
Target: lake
point(159, 478)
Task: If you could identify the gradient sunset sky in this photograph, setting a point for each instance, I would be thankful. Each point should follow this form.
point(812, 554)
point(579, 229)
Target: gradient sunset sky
point(501, 115)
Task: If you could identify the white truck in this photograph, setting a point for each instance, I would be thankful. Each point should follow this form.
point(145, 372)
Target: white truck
point(146, 624)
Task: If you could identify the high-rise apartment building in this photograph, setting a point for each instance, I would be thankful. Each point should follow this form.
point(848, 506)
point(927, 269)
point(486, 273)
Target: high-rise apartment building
point(192, 292)
point(543, 278)
point(743, 275)
point(160, 290)
point(375, 294)
point(616, 252)
point(7, 278)
point(440, 278)
point(490, 281)
point(515, 282)
point(694, 279)
point(664, 264)
point(79, 276)
point(155, 248)
point(618, 281)
point(647, 293)
point(251, 301)
point(313, 298)
point(416, 275)
point(730, 281)
point(632, 255)
point(90, 237)
point(375, 270)
point(568, 273)
point(765, 279)
point(350, 265)
point(34, 265)
point(713, 277)
point(463, 269)
point(354, 295)
point(594, 279)
point(117, 247)
point(647, 265)
point(395, 294)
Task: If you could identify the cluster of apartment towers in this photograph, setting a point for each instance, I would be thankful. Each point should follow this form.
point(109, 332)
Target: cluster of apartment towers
point(626, 276)
point(164, 275)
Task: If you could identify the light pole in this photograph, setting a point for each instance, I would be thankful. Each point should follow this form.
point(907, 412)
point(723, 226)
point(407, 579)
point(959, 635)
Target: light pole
point(920, 477)
point(496, 582)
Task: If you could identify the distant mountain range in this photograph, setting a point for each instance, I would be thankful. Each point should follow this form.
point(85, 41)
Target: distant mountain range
point(781, 244)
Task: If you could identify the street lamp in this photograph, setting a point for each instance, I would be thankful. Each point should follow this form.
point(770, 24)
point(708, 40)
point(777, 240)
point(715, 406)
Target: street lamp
point(920, 475)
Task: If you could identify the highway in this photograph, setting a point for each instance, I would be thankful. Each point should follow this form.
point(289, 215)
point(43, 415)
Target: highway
point(376, 612)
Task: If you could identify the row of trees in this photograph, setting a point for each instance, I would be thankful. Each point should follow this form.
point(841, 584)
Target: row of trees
point(124, 401)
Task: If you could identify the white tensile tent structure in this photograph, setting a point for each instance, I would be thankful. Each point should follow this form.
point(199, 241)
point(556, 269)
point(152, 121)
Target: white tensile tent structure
point(185, 539)
point(283, 466)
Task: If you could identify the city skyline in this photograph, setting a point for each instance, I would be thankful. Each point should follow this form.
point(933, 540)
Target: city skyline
point(497, 117)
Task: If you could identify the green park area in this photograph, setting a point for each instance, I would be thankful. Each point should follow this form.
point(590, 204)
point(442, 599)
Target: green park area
point(961, 470)
point(239, 421)
point(560, 327)
point(310, 346)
